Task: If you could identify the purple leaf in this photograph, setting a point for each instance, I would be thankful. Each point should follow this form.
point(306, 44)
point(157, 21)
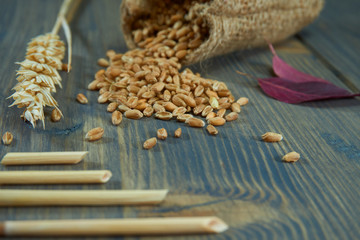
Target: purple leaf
point(296, 92)
point(293, 86)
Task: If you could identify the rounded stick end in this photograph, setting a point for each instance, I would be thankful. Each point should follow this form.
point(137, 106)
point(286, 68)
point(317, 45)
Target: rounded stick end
point(106, 176)
point(216, 225)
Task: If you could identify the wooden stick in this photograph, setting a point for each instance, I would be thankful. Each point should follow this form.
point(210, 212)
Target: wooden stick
point(80, 197)
point(30, 158)
point(54, 177)
point(114, 227)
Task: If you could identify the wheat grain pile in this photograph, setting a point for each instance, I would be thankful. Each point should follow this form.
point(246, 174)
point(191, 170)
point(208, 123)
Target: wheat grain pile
point(148, 80)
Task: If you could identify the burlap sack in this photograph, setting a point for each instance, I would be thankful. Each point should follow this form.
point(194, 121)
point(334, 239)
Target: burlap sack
point(234, 24)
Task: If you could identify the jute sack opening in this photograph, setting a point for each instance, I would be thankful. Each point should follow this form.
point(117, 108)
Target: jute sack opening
point(233, 24)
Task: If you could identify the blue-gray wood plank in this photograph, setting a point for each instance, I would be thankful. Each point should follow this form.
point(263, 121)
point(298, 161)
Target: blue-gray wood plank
point(335, 39)
point(233, 175)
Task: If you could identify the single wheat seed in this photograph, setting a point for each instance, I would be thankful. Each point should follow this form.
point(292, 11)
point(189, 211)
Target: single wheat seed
point(150, 143)
point(103, 62)
point(81, 98)
point(7, 138)
point(231, 116)
point(242, 101)
point(94, 134)
point(291, 157)
point(116, 117)
point(216, 121)
point(272, 137)
point(178, 133)
point(162, 133)
point(212, 130)
point(55, 115)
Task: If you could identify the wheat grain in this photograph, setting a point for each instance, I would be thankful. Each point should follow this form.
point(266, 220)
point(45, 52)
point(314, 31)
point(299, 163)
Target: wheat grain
point(94, 134)
point(212, 130)
point(216, 121)
point(150, 80)
point(195, 122)
point(162, 133)
point(235, 107)
point(7, 138)
point(177, 133)
point(133, 114)
point(81, 98)
point(55, 115)
point(231, 116)
point(242, 101)
point(272, 137)
point(221, 112)
point(116, 117)
point(150, 143)
point(291, 157)
point(163, 115)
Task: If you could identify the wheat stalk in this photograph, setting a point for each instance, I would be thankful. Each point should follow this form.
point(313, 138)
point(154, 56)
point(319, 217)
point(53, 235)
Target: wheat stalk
point(38, 74)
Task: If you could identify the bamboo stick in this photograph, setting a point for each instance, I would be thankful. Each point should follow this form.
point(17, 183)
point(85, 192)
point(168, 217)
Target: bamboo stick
point(113, 227)
point(54, 177)
point(36, 158)
point(80, 197)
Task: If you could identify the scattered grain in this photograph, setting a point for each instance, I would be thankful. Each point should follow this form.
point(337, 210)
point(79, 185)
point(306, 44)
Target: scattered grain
point(158, 108)
point(221, 112)
point(195, 122)
point(178, 133)
point(231, 116)
point(133, 114)
point(235, 107)
point(112, 107)
point(242, 101)
point(206, 111)
point(179, 111)
point(291, 157)
point(55, 115)
point(183, 117)
point(162, 133)
point(148, 111)
point(116, 117)
point(150, 143)
point(214, 103)
point(216, 121)
point(272, 137)
point(163, 115)
point(198, 109)
point(7, 138)
point(103, 62)
point(210, 115)
point(123, 108)
point(212, 130)
point(169, 106)
point(103, 98)
point(94, 134)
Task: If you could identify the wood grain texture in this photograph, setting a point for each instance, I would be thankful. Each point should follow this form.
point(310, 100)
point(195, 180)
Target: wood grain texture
point(338, 44)
point(234, 175)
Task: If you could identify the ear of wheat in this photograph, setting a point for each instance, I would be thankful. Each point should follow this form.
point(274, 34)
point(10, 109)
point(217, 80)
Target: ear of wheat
point(38, 74)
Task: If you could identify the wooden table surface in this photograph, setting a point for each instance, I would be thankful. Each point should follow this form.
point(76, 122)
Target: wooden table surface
point(234, 175)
